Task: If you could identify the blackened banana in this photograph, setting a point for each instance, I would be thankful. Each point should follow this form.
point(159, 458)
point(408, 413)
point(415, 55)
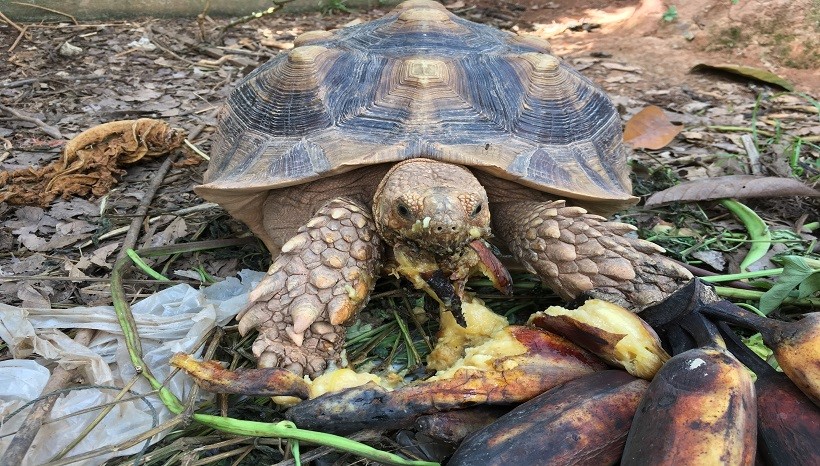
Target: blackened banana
point(582, 422)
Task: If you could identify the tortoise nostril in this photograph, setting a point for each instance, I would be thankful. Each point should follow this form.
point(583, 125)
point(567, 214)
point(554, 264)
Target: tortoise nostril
point(453, 228)
point(439, 228)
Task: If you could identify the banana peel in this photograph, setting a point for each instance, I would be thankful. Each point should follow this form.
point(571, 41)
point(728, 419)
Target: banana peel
point(454, 426)
point(212, 377)
point(618, 336)
point(539, 361)
point(489, 362)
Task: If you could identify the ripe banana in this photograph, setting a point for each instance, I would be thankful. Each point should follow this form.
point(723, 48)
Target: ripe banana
point(788, 423)
point(582, 422)
point(698, 410)
point(796, 345)
point(515, 365)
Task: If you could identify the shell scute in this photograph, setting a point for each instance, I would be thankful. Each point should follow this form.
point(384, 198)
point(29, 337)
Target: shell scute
point(419, 82)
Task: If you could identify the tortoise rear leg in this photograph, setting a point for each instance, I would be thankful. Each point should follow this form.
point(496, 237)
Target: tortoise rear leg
point(575, 252)
point(322, 277)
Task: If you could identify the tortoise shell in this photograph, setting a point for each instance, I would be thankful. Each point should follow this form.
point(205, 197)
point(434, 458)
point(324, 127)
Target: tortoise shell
point(419, 82)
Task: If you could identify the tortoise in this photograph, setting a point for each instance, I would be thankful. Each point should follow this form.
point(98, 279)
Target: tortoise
point(421, 135)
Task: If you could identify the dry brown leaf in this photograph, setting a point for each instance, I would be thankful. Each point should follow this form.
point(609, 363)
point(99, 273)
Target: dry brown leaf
point(650, 129)
point(90, 162)
point(748, 72)
point(732, 186)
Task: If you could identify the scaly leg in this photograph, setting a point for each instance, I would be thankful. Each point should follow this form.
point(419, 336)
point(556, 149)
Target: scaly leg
point(322, 277)
point(574, 252)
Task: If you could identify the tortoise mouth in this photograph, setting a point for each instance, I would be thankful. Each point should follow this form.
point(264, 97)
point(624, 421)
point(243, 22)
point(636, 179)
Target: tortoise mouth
point(441, 240)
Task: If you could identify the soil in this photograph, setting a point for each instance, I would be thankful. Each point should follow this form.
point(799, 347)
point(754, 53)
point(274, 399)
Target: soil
point(780, 36)
point(71, 77)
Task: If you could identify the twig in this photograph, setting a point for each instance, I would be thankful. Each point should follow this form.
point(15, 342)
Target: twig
point(142, 210)
point(18, 39)
point(277, 5)
point(180, 212)
point(136, 281)
point(23, 82)
point(196, 149)
point(149, 32)
point(49, 130)
point(50, 10)
point(12, 23)
point(20, 444)
point(752, 153)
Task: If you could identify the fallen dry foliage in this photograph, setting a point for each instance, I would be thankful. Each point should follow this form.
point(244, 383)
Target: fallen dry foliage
point(732, 186)
point(747, 72)
point(650, 129)
point(90, 162)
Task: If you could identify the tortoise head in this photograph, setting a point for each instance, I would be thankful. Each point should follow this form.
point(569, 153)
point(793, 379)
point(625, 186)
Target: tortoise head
point(436, 206)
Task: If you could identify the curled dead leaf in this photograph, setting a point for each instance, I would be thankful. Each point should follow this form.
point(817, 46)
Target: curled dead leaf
point(90, 162)
point(747, 72)
point(650, 129)
point(732, 186)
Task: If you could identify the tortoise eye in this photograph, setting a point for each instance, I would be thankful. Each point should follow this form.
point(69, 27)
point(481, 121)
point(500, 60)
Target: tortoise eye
point(404, 211)
point(477, 209)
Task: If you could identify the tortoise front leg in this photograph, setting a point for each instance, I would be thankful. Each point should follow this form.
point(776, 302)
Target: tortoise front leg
point(322, 277)
point(574, 252)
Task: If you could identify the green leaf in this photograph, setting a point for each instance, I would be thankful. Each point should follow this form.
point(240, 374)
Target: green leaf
point(809, 286)
point(796, 271)
point(670, 14)
point(757, 229)
point(755, 343)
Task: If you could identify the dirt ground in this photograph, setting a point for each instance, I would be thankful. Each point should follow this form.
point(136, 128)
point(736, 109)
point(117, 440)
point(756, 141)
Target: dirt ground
point(71, 77)
point(68, 77)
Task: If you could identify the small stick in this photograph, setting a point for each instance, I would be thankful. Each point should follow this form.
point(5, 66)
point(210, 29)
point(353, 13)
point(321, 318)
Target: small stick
point(752, 153)
point(50, 10)
point(277, 5)
point(49, 130)
point(18, 39)
point(151, 36)
point(23, 82)
point(12, 23)
point(142, 210)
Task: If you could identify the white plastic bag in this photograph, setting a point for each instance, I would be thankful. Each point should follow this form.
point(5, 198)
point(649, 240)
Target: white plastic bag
point(170, 321)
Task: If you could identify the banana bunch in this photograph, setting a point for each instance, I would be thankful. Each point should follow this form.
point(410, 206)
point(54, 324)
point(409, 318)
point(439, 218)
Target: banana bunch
point(699, 407)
